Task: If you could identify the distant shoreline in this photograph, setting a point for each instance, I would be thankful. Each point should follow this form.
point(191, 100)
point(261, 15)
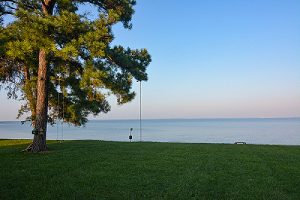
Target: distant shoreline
point(233, 118)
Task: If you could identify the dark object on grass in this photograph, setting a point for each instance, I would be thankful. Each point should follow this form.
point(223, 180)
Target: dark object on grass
point(240, 143)
point(130, 135)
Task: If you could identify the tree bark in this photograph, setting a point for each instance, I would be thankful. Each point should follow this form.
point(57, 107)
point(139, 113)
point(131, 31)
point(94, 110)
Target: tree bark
point(40, 125)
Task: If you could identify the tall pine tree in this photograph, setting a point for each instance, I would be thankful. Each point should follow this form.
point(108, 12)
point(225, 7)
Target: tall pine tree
point(51, 54)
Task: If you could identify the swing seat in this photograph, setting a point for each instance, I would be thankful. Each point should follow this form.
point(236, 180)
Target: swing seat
point(240, 143)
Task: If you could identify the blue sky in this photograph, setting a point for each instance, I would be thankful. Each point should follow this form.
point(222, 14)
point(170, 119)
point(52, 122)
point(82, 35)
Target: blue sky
point(212, 59)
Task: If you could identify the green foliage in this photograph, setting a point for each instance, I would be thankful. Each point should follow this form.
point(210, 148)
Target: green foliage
point(84, 68)
point(119, 170)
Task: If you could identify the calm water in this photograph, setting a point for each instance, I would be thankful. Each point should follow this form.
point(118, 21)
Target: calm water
point(255, 131)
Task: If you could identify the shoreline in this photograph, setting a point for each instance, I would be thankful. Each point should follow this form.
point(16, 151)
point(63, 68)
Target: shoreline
point(153, 142)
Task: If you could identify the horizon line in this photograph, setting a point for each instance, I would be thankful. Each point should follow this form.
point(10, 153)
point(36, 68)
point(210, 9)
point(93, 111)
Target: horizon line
point(204, 118)
point(208, 118)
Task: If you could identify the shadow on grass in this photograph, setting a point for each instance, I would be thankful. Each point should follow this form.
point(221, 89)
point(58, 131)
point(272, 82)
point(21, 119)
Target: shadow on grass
point(20, 144)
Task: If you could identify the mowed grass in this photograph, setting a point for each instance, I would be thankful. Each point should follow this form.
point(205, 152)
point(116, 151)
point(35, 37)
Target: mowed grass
point(119, 170)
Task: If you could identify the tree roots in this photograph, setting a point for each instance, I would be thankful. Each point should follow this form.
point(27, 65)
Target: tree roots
point(28, 148)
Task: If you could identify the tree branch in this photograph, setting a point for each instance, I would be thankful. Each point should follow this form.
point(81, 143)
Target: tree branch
point(12, 1)
point(6, 13)
point(26, 4)
point(10, 7)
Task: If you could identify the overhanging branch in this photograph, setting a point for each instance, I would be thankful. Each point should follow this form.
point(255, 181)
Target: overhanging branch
point(6, 13)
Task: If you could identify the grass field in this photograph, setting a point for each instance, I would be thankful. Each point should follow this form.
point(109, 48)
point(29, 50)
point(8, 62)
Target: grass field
point(118, 170)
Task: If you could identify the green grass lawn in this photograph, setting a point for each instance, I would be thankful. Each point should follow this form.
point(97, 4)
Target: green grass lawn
point(119, 170)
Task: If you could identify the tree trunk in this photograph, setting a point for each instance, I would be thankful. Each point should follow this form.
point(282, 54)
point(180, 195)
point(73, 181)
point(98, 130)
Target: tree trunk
point(40, 125)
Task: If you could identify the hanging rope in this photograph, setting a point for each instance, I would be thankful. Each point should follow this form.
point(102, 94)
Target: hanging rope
point(61, 88)
point(63, 114)
point(57, 120)
point(61, 120)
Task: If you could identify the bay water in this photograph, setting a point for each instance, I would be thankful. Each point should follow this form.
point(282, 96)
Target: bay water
point(282, 131)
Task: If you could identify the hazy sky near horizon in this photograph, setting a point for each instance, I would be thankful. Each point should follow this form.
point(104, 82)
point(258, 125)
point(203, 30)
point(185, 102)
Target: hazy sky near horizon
point(211, 59)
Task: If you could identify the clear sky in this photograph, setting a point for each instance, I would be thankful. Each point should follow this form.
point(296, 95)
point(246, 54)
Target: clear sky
point(211, 59)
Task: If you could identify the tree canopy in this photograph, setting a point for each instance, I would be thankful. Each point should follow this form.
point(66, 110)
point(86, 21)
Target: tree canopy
point(84, 68)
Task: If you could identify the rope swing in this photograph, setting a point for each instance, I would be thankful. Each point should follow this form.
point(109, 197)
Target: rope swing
point(63, 112)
